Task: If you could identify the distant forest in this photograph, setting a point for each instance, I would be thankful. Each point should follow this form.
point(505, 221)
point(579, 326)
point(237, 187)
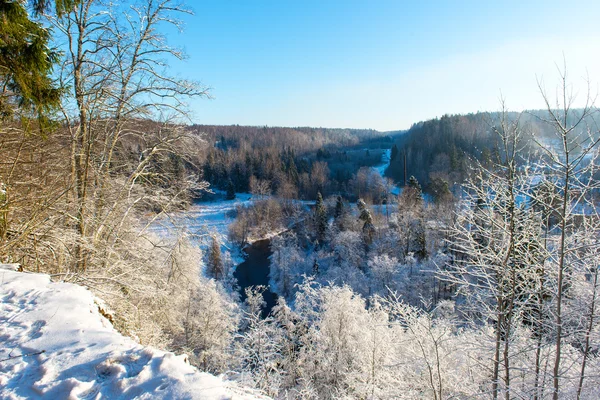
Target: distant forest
point(289, 162)
point(300, 162)
point(439, 151)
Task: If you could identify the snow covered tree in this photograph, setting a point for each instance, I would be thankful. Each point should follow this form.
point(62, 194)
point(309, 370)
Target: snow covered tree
point(496, 241)
point(115, 75)
point(348, 249)
point(411, 197)
point(365, 217)
point(210, 322)
point(382, 269)
point(572, 166)
point(260, 347)
point(419, 242)
point(335, 355)
point(287, 264)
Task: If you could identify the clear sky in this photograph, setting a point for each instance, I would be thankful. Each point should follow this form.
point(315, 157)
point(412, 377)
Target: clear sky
point(380, 64)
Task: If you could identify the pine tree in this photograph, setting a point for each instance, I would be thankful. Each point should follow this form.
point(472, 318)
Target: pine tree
point(440, 190)
point(215, 260)
point(315, 268)
point(60, 6)
point(320, 219)
point(339, 213)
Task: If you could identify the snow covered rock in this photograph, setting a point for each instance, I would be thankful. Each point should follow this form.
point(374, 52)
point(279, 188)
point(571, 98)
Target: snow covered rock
point(54, 344)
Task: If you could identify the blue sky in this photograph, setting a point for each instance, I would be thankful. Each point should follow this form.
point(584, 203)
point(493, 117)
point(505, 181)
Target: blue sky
point(379, 64)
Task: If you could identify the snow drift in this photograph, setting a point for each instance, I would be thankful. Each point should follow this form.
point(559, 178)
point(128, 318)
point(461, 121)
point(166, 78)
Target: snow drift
point(55, 344)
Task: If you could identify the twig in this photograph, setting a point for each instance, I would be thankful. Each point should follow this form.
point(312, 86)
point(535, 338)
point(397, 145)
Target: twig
point(24, 355)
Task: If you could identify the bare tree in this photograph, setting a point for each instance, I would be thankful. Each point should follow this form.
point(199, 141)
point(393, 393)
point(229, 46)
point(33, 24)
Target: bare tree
point(116, 68)
point(568, 165)
point(498, 241)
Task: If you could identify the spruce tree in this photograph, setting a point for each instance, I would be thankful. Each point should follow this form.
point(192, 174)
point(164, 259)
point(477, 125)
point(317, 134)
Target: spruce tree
point(365, 216)
point(315, 268)
point(339, 208)
point(320, 219)
point(414, 184)
point(420, 241)
point(26, 63)
point(293, 172)
point(60, 6)
point(394, 153)
point(230, 190)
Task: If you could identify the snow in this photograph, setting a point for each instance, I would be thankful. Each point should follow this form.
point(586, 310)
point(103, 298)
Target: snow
point(205, 218)
point(202, 217)
point(55, 344)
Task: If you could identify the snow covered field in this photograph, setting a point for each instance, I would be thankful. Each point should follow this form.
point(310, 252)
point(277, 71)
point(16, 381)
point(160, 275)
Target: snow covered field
point(55, 344)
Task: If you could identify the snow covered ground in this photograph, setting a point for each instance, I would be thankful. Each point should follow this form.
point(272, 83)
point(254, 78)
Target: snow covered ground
point(54, 344)
point(203, 219)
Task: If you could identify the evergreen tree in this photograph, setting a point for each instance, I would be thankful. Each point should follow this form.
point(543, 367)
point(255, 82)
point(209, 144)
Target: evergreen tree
point(394, 153)
point(215, 260)
point(414, 184)
point(440, 190)
point(315, 268)
point(26, 63)
point(320, 219)
point(420, 242)
point(339, 208)
point(230, 190)
point(60, 6)
point(293, 171)
point(365, 216)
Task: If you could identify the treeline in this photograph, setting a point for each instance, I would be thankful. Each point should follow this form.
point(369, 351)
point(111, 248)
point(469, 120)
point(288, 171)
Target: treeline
point(289, 162)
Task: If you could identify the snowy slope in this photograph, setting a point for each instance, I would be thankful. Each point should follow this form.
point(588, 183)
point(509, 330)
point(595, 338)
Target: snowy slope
point(54, 344)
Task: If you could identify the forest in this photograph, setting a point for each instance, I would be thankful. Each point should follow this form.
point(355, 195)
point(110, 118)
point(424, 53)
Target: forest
point(441, 151)
point(458, 259)
point(291, 162)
